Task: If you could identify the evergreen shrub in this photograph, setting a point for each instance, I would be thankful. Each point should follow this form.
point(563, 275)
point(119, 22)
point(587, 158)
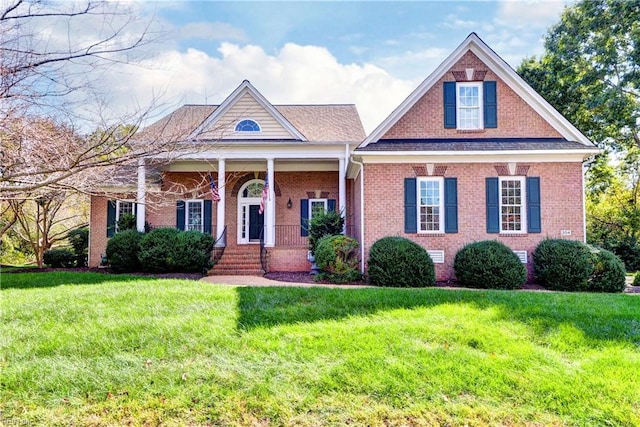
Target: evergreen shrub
point(337, 258)
point(123, 251)
point(400, 262)
point(489, 264)
point(563, 265)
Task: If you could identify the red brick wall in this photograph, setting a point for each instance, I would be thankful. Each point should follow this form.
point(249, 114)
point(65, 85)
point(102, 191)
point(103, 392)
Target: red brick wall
point(516, 119)
point(561, 204)
point(161, 211)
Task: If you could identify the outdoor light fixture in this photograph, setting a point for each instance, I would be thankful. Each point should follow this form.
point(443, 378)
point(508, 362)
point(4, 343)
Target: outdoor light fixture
point(289, 204)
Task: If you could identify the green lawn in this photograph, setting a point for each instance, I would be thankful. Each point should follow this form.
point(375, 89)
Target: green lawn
point(89, 349)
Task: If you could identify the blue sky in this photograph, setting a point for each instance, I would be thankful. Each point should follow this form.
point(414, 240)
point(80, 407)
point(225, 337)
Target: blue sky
point(368, 53)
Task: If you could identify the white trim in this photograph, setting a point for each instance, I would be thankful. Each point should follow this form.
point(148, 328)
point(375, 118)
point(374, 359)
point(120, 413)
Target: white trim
point(480, 107)
point(550, 156)
point(247, 132)
point(326, 205)
point(440, 181)
point(523, 203)
point(242, 203)
point(245, 87)
point(504, 72)
point(186, 213)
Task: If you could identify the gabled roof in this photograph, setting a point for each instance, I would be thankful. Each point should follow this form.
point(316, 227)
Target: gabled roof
point(474, 44)
point(247, 87)
point(321, 123)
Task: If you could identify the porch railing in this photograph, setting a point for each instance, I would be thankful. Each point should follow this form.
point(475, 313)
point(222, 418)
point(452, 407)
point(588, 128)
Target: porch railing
point(219, 246)
point(263, 252)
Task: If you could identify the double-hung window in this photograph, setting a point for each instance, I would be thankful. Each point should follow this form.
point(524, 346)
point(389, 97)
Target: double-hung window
point(317, 207)
point(194, 215)
point(123, 208)
point(512, 205)
point(430, 205)
point(469, 105)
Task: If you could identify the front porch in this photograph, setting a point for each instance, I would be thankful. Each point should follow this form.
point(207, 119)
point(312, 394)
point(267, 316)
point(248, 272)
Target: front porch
point(256, 231)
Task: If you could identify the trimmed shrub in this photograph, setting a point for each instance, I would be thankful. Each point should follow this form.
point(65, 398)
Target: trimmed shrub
point(192, 252)
point(337, 258)
point(157, 250)
point(59, 258)
point(563, 265)
point(127, 222)
point(166, 250)
point(636, 279)
point(324, 224)
point(489, 264)
point(79, 239)
point(123, 251)
point(609, 274)
point(400, 262)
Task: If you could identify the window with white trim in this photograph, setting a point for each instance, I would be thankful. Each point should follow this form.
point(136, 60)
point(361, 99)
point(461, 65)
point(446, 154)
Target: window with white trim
point(317, 206)
point(123, 208)
point(469, 105)
point(194, 215)
point(430, 205)
point(247, 125)
point(512, 205)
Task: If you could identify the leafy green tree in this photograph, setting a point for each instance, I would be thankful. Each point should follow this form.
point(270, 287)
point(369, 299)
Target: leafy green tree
point(590, 72)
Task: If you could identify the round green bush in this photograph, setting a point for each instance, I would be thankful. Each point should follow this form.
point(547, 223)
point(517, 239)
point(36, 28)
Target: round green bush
point(323, 224)
point(609, 274)
point(337, 258)
point(123, 251)
point(563, 265)
point(59, 258)
point(400, 262)
point(192, 252)
point(489, 264)
point(636, 279)
point(157, 250)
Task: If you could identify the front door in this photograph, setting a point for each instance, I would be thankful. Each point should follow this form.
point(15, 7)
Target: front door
point(256, 222)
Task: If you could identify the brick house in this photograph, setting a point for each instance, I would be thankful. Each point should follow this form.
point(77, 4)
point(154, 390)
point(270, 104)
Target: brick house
point(472, 154)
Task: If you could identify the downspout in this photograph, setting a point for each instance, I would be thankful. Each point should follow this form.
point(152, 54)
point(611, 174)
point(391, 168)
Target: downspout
point(361, 213)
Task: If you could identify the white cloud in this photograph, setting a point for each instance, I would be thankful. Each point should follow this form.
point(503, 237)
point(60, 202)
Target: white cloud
point(294, 74)
point(532, 13)
point(211, 31)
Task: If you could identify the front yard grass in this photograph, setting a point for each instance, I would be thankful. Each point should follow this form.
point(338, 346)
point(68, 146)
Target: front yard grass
point(91, 349)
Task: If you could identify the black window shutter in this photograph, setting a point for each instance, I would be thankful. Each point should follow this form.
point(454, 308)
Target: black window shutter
point(331, 205)
point(490, 105)
point(180, 214)
point(450, 205)
point(410, 206)
point(111, 218)
point(493, 206)
point(208, 210)
point(449, 97)
point(304, 217)
point(534, 217)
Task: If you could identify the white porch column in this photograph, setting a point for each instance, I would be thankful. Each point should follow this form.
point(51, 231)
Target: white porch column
point(270, 218)
point(141, 196)
point(342, 192)
point(222, 191)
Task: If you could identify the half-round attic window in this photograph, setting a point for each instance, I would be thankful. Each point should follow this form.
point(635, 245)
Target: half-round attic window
point(247, 125)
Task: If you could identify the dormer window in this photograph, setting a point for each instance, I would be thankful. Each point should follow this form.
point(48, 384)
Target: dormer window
point(247, 125)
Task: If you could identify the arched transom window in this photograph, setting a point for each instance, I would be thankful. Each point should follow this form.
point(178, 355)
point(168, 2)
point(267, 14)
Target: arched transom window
point(247, 125)
point(253, 189)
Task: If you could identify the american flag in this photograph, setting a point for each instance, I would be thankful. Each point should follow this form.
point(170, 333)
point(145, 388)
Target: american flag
point(265, 193)
point(215, 196)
